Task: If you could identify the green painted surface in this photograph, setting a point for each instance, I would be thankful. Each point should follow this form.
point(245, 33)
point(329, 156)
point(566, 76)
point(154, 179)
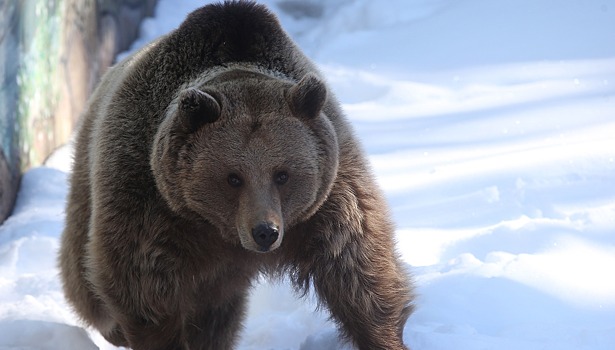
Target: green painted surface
point(9, 91)
point(39, 93)
point(29, 50)
point(51, 56)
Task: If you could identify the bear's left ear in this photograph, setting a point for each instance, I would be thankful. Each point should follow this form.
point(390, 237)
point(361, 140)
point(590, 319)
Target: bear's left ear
point(308, 96)
point(196, 108)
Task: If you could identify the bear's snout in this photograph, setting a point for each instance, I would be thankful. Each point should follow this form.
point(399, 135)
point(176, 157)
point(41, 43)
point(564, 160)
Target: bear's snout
point(265, 234)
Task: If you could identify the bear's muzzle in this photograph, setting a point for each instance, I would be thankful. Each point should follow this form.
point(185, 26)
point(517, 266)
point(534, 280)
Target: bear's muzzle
point(265, 234)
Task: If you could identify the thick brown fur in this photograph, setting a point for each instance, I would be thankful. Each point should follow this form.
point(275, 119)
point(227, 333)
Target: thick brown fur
point(185, 148)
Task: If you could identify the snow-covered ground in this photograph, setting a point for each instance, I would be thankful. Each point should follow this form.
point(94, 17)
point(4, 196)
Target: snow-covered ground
point(491, 127)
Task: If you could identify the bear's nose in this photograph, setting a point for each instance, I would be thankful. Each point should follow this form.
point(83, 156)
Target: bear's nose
point(265, 234)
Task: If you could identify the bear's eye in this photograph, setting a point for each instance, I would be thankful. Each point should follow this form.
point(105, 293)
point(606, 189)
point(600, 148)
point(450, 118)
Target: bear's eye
point(234, 180)
point(280, 177)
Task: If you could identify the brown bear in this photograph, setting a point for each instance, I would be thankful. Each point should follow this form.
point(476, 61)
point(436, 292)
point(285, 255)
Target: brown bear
point(211, 156)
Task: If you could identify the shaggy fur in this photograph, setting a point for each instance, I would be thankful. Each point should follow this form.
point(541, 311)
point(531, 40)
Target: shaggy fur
point(210, 156)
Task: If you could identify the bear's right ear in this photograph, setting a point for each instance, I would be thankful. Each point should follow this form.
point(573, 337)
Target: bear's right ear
point(196, 108)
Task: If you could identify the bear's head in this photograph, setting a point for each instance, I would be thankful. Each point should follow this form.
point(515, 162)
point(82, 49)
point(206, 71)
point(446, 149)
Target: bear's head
point(250, 153)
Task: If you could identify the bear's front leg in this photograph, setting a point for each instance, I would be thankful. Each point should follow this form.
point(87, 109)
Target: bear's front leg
point(144, 334)
point(139, 285)
point(355, 270)
point(136, 326)
point(139, 329)
point(214, 327)
point(367, 295)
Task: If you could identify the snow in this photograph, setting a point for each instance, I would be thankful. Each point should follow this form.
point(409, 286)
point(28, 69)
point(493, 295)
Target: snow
point(491, 128)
